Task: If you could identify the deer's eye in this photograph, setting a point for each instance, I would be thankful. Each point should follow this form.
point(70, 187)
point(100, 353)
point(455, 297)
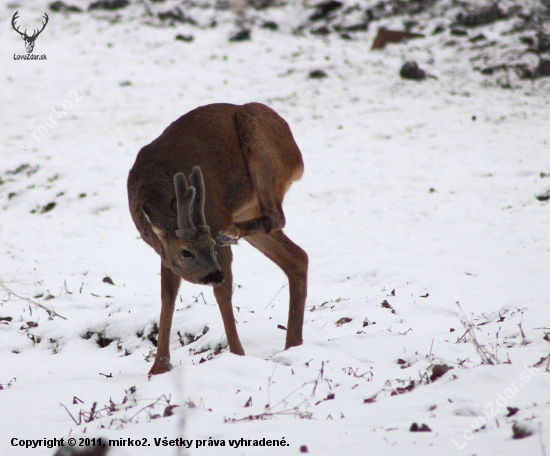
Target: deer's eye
point(186, 254)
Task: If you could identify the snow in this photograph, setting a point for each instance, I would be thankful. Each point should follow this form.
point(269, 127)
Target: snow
point(374, 146)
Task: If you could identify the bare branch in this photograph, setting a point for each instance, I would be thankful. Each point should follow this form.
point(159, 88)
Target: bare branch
point(51, 313)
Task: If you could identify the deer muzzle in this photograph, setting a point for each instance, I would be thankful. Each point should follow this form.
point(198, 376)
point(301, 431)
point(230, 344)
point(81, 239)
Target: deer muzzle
point(214, 278)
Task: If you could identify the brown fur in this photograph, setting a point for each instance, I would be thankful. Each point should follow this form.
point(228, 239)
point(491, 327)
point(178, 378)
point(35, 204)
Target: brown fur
point(248, 160)
point(385, 36)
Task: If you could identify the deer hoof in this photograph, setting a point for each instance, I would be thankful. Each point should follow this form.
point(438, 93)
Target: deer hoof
point(223, 240)
point(238, 352)
point(160, 367)
point(293, 343)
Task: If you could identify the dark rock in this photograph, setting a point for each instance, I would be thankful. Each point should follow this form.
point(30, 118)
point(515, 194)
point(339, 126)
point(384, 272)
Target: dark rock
point(512, 411)
point(477, 38)
point(543, 69)
point(458, 32)
point(243, 35)
point(48, 207)
point(262, 4)
point(270, 25)
point(108, 4)
point(543, 42)
point(369, 15)
point(409, 24)
point(102, 341)
point(491, 70)
point(317, 74)
point(411, 70)
point(386, 305)
point(400, 7)
point(481, 16)
point(520, 431)
point(361, 27)
point(528, 40)
point(175, 15)
point(60, 7)
point(321, 31)
point(423, 428)
point(516, 10)
point(322, 10)
point(186, 38)
point(343, 321)
point(438, 370)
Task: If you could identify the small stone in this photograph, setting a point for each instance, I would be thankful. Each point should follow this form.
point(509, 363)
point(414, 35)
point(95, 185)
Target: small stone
point(458, 32)
point(243, 35)
point(270, 25)
point(186, 38)
point(317, 74)
point(411, 70)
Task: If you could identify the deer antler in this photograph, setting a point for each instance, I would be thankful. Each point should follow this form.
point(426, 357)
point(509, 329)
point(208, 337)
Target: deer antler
point(36, 33)
point(197, 181)
point(13, 19)
point(184, 201)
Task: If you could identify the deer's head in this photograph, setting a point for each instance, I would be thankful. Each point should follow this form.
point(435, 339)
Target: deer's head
point(29, 40)
point(189, 252)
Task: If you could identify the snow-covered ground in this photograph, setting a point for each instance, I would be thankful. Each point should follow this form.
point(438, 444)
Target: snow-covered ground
point(420, 194)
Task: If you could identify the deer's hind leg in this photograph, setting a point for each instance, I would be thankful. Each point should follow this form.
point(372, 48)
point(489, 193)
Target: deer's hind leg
point(274, 162)
point(294, 262)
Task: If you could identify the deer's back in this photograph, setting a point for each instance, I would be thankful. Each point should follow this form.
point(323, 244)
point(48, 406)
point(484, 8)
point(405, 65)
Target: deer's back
point(204, 137)
point(219, 139)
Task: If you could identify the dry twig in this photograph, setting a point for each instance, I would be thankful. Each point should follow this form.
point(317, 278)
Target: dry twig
point(51, 313)
point(484, 354)
point(129, 402)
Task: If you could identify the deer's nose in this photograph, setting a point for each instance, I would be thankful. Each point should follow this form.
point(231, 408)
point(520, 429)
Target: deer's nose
point(214, 278)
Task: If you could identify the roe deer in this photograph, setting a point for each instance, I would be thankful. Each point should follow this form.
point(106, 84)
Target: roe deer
point(241, 160)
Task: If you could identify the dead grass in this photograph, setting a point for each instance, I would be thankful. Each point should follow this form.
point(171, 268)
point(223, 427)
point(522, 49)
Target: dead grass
point(117, 412)
point(11, 296)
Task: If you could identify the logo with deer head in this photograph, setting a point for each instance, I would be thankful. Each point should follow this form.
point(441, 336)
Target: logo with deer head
point(29, 40)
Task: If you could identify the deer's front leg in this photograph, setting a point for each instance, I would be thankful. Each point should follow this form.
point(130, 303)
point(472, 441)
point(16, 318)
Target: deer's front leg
point(169, 285)
point(223, 294)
